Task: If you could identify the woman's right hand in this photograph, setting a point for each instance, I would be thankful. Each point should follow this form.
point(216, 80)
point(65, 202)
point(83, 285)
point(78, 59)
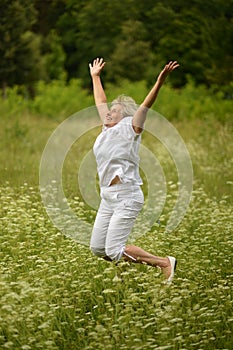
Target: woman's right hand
point(96, 67)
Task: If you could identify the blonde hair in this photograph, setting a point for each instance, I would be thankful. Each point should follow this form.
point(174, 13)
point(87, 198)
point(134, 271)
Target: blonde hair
point(128, 104)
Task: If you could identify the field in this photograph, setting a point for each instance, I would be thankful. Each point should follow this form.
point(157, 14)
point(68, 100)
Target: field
point(55, 295)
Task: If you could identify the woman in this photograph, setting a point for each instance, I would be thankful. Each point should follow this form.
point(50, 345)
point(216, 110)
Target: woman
point(116, 151)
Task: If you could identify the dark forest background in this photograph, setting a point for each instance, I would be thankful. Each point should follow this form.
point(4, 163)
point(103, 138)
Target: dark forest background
point(47, 40)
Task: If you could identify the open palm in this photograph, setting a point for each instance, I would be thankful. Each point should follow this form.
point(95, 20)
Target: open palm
point(96, 67)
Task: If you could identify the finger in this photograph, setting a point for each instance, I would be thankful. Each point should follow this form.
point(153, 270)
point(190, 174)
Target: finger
point(168, 65)
point(174, 65)
point(171, 63)
point(99, 61)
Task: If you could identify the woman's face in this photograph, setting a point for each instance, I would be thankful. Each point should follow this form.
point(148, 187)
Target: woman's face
point(114, 115)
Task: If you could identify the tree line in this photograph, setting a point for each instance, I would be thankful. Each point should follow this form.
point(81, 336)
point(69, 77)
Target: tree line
point(56, 39)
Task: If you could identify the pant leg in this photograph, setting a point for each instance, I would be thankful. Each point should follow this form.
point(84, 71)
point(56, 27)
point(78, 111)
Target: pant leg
point(126, 209)
point(100, 229)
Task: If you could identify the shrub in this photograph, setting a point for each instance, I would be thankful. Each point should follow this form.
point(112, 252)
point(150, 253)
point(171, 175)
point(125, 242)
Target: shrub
point(58, 99)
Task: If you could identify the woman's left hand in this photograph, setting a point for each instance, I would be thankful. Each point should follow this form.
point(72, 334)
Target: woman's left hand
point(172, 65)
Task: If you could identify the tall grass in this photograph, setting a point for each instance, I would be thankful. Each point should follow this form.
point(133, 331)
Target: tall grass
point(55, 295)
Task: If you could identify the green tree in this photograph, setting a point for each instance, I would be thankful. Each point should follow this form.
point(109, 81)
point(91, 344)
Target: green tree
point(50, 39)
point(16, 19)
point(29, 61)
point(48, 14)
point(198, 34)
point(132, 56)
point(92, 28)
point(54, 57)
point(218, 40)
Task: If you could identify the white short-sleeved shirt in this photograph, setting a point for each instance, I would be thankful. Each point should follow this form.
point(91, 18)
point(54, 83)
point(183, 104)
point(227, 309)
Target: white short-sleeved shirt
point(116, 151)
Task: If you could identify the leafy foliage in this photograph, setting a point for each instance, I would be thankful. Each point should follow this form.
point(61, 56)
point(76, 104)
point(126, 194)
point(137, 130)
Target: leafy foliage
point(135, 38)
point(16, 18)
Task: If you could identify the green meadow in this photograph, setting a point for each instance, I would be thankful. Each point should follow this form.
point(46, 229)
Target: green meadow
point(55, 295)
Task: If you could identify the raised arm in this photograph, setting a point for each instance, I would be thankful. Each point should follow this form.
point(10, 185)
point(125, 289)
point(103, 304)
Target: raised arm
point(140, 116)
point(99, 95)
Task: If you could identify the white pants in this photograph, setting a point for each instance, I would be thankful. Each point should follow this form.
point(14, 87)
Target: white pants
point(119, 208)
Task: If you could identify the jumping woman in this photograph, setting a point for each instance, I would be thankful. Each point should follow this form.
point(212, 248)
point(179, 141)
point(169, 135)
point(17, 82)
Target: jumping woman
point(116, 151)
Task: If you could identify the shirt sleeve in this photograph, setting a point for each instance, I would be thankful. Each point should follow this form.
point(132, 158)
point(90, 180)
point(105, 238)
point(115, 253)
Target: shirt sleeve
point(128, 125)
